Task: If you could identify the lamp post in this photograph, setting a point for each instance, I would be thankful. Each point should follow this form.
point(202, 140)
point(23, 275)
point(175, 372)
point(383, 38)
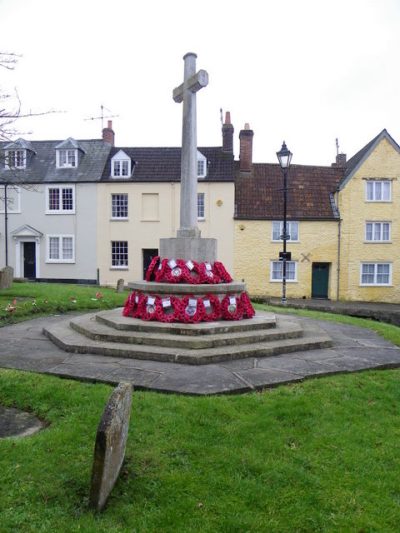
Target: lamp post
point(284, 158)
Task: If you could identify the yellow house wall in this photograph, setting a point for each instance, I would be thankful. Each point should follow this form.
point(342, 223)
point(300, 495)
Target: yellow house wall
point(142, 233)
point(254, 251)
point(384, 162)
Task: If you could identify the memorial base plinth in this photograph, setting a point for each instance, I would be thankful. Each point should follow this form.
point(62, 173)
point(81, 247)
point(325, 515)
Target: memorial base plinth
point(189, 248)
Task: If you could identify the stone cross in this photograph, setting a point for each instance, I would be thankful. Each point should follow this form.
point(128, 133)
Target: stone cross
point(186, 93)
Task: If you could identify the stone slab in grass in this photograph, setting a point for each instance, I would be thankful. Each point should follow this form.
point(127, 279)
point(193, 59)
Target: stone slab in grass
point(109, 451)
point(17, 423)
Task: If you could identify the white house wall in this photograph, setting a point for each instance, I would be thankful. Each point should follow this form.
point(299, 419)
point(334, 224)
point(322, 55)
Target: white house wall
point(81, 225)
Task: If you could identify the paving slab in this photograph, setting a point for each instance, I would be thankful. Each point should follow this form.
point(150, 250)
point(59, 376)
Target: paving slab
point(24, 347)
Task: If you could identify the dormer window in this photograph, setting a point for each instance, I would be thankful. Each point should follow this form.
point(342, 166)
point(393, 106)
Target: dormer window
point(17, 154)
point(121, 165)
point(201, 165)
point(67, 154)
point(67, 158)
point(16, 159)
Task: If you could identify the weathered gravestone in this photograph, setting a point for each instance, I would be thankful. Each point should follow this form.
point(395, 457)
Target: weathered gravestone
point(6, 277)
point(109, 451)
point(120, 285)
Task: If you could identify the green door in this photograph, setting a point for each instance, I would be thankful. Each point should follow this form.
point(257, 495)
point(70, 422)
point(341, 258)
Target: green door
point(320, 280)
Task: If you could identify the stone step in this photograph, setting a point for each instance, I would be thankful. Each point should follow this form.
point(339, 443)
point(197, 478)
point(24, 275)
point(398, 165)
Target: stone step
point(115, 319)
point(72, 341)
point(88, 326)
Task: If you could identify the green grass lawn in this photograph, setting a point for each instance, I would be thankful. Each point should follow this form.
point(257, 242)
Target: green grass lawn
point(24, 301)
point(323, 455)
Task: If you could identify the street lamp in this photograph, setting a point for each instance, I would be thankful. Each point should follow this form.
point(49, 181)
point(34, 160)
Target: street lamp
point(284, 158)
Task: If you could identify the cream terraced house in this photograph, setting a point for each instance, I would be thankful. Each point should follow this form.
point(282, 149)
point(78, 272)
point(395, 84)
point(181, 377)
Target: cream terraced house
point(138, 203)
point(343, 223)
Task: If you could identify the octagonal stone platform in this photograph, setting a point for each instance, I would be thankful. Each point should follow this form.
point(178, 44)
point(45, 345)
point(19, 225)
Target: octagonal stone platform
point(111, 334)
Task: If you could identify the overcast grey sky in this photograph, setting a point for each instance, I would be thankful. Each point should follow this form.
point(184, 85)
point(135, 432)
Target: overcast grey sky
point(306, 71)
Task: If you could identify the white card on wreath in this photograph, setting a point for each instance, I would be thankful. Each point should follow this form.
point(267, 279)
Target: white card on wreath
point(232, 300)
point(166, 302)
point(190, 264)
point(206, 303)
point(172, 263)
point(192, 302)
point(208, 267)
point(150, 300)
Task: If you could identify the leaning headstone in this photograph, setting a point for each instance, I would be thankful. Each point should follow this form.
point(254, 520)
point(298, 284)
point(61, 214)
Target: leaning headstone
point(109, 451)
point(120, 285)
point(6, 277)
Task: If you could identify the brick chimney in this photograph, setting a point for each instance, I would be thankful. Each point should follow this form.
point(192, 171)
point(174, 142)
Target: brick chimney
point(108, 134)
point(341, 161)
point(246, 148)
point(227, 134)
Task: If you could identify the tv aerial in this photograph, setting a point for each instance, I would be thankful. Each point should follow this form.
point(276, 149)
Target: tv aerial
point(102, 116)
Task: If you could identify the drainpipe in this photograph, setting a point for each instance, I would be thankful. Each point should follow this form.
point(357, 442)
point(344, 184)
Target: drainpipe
point(338, 252)
point(6, 222)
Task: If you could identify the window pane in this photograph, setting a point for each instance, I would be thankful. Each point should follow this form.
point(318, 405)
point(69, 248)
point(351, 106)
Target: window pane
point(277, 270)
point(385, 231)
point(67, 199)
point(54, 199)
point(200, 205)
point(125, 168)
point(290, 270)
point(383, 271)
point(119, 205)
point(54, 249)
point(294, 231)
point(67, 248)
point(117, 168)
point(276, 231)
point(377, 231)
point(119, 253)
point(370, 190)
point(386, 190)
point(378, 190)
point(368, 231)
point(200, 168)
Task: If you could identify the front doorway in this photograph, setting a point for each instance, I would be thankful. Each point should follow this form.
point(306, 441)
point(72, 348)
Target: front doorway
point(29, 260)
point(320, 280)
point(148, 254)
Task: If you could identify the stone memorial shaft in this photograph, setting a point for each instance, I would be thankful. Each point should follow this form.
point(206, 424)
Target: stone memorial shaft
point(188, 244)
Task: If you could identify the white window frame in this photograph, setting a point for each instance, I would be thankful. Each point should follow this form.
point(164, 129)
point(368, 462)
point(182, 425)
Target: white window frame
point(372, 184)
point(123, 160)
point(18, 196)
point(375, 273)
point(201, 167)
point(201, 206)
point(60, 211)
point(60, 258)
point(289, 224)
point(14, 164)
point(279, 280)
point(377, 227)
point(114, 216)
point(123, 266)
point(67, 163)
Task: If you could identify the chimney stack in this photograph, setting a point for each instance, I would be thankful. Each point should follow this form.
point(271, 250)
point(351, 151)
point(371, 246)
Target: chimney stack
point(246, 148)
point(227, 134)
point(341, 161)
point(108, 134)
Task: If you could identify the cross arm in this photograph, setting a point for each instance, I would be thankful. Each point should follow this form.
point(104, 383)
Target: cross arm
point(194, 84)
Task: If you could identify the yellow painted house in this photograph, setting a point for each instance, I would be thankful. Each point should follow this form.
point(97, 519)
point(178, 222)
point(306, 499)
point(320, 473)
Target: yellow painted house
point(343, 223)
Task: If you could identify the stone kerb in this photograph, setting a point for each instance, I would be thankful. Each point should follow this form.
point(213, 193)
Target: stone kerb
point(110, 445)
